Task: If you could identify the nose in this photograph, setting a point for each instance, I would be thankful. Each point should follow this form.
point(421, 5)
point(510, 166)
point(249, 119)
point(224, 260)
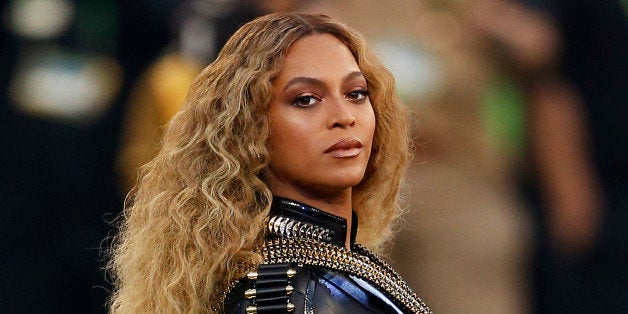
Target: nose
point(339, 114)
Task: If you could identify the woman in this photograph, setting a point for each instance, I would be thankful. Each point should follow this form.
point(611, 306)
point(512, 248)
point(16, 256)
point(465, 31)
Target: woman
point(249, 204)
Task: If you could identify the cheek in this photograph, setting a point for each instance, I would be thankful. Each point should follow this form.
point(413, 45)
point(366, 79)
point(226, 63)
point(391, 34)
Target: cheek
point(369, 122)
point(370, 126)
point(290, 139)
point(282, 132)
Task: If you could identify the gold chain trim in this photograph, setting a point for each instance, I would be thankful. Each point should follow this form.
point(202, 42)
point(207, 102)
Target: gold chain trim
point(359, 262)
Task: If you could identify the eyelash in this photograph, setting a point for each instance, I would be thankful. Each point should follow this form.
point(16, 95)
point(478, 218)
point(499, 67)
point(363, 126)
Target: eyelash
point(353, 96)
point(362, 92)
point(297, 102)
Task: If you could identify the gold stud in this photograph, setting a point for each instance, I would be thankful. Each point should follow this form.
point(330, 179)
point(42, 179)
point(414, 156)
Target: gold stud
point(251, 309)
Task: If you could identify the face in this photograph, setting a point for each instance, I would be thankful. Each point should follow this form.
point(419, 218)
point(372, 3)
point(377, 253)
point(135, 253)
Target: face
point(321, 121)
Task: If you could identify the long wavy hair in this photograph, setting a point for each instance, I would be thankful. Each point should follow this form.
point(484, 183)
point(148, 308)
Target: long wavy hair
point(197, 214)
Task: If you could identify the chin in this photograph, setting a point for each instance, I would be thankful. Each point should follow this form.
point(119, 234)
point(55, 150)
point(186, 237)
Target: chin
point(347, 181)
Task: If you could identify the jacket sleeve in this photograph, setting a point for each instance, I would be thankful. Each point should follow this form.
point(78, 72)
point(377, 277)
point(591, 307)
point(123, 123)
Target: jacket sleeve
point(313, 290)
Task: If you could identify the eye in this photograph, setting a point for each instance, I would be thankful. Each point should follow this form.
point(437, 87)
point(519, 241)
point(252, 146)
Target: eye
point(305, 101)
point(358, 95)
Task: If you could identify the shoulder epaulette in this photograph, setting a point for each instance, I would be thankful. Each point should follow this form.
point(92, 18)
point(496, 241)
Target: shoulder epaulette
point(272, 287)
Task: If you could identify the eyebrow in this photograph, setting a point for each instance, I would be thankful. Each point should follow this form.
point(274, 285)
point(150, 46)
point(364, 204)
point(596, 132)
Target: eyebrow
point(354, 74)
point(317, 82)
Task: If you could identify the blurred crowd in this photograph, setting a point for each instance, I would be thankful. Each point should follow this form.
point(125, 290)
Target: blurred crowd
point(517, 196)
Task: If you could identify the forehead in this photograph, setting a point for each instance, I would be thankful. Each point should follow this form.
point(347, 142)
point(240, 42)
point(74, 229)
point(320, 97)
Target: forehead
point(317, 55)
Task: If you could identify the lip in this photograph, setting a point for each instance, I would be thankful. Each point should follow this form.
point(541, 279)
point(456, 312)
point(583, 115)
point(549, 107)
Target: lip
point(345, 148)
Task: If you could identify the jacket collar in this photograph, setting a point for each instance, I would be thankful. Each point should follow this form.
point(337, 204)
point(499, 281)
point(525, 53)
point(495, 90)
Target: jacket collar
point(290, 218)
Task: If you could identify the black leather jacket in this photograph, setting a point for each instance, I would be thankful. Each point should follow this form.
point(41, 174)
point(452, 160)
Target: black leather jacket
point(308, 270)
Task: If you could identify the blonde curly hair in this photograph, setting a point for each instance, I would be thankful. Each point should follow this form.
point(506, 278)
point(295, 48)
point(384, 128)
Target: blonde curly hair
point(198, 212)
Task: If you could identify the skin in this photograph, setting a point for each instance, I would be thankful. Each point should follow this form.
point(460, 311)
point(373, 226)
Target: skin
point(321, 126)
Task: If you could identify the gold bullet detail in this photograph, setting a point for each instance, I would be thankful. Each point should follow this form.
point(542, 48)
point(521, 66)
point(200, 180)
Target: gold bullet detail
point(250, 293)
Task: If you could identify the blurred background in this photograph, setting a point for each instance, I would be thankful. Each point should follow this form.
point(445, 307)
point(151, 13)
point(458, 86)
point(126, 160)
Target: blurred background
point(517, 196)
